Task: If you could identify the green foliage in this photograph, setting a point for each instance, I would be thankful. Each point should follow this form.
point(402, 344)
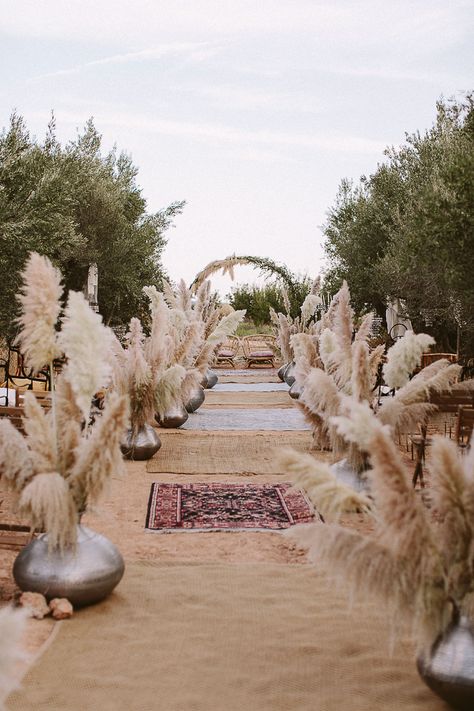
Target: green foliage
point(257, 300)
point(76, 206)
point(408, 230)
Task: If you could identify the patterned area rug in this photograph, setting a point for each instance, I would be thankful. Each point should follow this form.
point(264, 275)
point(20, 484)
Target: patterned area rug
point(223, 507)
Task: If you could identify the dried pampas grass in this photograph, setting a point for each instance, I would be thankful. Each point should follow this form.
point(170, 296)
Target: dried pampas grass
point(40, 300)
point(226, 327)
point(168, 388)
point(140, 379)
point(16, 461)
point(330, 496)
point(100, 457)
point(47, 502)
point(86, 343)
point(310, 307)
point(40, 435)
point(404, 357)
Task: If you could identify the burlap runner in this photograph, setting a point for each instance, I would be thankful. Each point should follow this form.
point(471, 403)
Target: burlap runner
point(247, 399)
point(249, 419)
point(259, 637)
point(227, 452)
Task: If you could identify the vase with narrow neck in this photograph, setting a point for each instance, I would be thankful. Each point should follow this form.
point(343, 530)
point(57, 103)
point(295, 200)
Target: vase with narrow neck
point(140, 444)
point(448, 667)
point(347, 474)
point(196, 399)
point(84, 574)
point(281, 371)
point(289, 375)
point(210, 379)
point(175, 416)
point(295, 390)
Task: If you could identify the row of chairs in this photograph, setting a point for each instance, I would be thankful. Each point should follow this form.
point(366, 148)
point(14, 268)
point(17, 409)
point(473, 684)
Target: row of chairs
point(256, 349)
point(454, 413)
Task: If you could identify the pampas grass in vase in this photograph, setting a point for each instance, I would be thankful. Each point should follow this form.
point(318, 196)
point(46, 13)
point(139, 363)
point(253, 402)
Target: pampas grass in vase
point(133, 376)
point(60, 465)
point(420, 566)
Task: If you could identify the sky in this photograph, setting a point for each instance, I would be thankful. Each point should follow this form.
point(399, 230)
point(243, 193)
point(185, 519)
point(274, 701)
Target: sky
point(252, 111)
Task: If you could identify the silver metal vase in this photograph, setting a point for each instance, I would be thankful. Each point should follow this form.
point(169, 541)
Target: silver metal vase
point(448, 669)
point(281, 372)
point(211, 379)
point(345, 473)
point(196, 399)
point(84, 575)
point(295, 390)
point(174, 417)
point(141, 445)
point(289, 375)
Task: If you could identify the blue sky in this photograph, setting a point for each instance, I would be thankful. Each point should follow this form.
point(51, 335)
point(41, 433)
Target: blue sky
point(250, 111)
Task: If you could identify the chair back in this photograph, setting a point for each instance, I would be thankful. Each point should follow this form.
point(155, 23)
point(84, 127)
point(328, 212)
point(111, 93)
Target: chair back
point(465, 426)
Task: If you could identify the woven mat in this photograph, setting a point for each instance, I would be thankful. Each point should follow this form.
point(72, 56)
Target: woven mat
point(223, 452)
point(260, 637)
point(224, 506)
point(249, 387)
point(250, 419)
point(248, 376)
point(247, 399)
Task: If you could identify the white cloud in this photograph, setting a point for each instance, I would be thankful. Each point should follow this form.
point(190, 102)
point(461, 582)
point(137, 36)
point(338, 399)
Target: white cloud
point(193, 51)
point(220, 133)
point(420, 24)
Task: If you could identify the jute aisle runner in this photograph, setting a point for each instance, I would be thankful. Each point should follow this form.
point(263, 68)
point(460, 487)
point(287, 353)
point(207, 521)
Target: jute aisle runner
point(226, 452)
point(260, 637)
point(242, 399)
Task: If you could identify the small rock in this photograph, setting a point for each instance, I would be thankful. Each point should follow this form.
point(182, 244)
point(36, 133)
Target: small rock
point(35, 604)
point(61, 608)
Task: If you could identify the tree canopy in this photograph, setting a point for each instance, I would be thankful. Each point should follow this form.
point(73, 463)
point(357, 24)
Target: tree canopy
point(407, 231)
point(77, 206)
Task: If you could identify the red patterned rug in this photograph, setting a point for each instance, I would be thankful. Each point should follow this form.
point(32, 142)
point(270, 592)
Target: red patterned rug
point(223, 507)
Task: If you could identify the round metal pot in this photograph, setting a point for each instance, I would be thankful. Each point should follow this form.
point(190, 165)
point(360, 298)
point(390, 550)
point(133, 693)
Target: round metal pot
point(196, 400)
point(281, 372)
point(141, 445)
point(84, 575)
point(289, 376)
point(346, 474)
point(295, 390)
point(174, 417)
point(211, 379)
point(448, 668)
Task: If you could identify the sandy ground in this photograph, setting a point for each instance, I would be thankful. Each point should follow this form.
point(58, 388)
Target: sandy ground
point(121, 517)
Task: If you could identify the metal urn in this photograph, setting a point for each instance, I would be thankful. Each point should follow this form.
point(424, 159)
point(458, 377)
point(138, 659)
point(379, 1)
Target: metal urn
point(196, 399)
point(448, 669)
point(295, 390)
point(84, 575)
point(289, 376)
point(345, 473)
point(281, 371)
point(141, 445)
point(174, 417)
point(210, 379)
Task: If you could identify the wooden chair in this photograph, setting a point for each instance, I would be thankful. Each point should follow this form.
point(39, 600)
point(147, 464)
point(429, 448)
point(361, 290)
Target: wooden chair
point(259, 349)
point(449, 404)
point(42, 396)
point(464, 426)
point(428, 358)
point(227, 352)
point(14, 414)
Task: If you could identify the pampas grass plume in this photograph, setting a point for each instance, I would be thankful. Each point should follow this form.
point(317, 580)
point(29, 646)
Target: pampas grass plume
point(40, 302)
point(16, 462)
point(226, 327)
point(168, 388)
point(86, 343)
point(330, 496)
point(404, 357)
point(47, 502)
point(309, 307)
